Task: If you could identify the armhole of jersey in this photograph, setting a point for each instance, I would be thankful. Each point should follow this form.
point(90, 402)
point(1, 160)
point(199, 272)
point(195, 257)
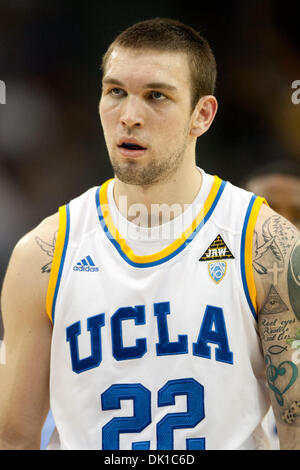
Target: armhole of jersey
point(246, 252)
point(58, 260)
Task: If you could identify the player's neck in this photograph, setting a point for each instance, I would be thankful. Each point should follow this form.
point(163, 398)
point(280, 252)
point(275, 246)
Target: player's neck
point(170, 197)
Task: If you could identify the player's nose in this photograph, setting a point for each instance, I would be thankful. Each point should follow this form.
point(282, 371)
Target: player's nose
point(132, 112)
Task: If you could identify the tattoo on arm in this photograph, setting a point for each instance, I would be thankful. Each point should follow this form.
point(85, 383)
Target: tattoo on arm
point(276, 259)
point(279, 236)
point(273, 303)
point(49, 249)
point(282, 359)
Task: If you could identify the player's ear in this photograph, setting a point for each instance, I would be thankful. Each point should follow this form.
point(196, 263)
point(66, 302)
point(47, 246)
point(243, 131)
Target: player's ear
point(203, 115)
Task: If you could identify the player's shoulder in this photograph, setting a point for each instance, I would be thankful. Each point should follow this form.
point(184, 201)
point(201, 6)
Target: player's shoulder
point(270, 221)
point(28, 271)
point(31, 258)
point(275, 240)
point(43, 233)
point(273, 231)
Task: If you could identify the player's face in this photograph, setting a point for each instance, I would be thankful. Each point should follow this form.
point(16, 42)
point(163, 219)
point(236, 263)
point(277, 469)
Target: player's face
point(145, 110)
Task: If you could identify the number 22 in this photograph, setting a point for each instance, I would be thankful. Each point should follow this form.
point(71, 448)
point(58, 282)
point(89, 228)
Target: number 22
point(141, 418)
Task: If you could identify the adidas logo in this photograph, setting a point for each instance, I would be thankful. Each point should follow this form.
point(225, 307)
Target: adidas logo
point(86, 264)
point(217, 250)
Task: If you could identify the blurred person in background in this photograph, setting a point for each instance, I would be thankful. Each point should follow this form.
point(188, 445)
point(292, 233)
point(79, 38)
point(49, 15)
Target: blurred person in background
point(279, 183)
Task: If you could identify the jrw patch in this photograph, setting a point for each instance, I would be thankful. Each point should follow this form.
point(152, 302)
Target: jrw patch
point(217, 250)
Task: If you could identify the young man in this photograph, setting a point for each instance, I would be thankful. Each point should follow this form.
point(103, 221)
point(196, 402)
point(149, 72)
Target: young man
point(159, 330)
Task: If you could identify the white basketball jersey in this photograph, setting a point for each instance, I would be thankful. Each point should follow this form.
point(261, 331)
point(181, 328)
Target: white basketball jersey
point(157, 349)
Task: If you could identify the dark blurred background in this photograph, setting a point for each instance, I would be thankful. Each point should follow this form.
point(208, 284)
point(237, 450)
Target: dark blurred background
point(51, 143)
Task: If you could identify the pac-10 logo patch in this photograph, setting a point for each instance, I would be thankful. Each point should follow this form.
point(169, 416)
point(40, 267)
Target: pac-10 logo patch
point(217, 270)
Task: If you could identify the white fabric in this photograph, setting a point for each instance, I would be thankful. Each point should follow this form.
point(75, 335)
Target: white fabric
point(235, 397)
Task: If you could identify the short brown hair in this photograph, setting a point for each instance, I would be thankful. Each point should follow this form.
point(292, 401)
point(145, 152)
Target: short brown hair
point(163, 34)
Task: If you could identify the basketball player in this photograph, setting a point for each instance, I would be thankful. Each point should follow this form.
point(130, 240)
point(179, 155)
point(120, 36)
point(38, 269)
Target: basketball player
point(172, 296)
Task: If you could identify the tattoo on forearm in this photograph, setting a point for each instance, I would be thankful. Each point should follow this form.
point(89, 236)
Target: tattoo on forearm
point(286, 369)
point(290, 414)
point(282, 375)
point(281, 378)
point(276, 349)
point(49, 249)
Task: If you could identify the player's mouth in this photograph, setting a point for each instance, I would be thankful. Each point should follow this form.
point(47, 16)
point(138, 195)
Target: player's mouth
point(131, 148)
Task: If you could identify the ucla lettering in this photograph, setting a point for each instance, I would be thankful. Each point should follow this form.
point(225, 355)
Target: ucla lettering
point(212, 331)
point(213, 317)
point(94, 325)
point(130, 352)
point(161, 310)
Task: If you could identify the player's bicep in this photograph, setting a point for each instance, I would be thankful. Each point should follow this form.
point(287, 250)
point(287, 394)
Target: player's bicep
point(276, 270)
point(24, 371)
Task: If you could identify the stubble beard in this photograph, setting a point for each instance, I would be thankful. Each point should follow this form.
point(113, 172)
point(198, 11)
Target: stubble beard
point(153, 172)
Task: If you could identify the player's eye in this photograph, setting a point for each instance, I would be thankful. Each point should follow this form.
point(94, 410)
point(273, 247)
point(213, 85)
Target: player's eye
point(117, 92)
point(157, 96)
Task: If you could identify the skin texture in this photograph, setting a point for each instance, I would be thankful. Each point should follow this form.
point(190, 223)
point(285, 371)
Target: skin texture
point(164, 123)
point(24, 377)
point(276, 263)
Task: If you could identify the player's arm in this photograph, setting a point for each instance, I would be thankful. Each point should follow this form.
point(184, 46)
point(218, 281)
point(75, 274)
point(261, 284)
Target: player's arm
point(276, 263)
point(25, 351)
